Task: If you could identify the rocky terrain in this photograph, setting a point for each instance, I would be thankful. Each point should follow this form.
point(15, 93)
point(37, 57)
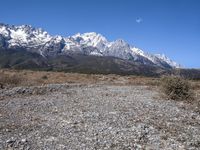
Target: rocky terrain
point(95, 116)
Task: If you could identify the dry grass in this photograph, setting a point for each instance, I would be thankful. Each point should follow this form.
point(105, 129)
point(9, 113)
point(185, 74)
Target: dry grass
point(10, 80)
point(195, 84)
point(30, 78)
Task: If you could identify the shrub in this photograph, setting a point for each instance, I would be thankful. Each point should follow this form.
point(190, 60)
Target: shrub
point(44, 77)
point(176, 88)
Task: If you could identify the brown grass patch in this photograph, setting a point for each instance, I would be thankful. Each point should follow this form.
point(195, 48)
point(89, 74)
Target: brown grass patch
point(30, 78)
point(10, 80)
point(195, 84)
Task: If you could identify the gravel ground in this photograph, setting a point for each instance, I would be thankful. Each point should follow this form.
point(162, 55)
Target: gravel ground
point(87, 117)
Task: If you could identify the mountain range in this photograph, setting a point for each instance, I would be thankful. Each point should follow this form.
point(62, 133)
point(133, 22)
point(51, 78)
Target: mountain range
point(38, 41)
point(26, 47)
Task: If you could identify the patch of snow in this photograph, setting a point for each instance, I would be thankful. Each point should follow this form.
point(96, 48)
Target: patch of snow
point(96, 54)
point(4, 31)
point(18, 35)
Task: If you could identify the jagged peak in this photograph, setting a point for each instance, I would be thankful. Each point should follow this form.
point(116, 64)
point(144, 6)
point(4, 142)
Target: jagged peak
point(28, 36)
point(120, 41)
point(3, 24)
point(90, 35)
point(15, 26)
point(168, 60)
point(91, 39)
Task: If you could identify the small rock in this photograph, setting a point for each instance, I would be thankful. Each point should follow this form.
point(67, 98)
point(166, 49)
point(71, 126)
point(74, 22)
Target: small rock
point(10, 141)
point(7, 130)
point(24, 140)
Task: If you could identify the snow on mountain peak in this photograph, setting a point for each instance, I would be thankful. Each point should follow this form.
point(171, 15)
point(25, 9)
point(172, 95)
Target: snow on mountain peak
point(4, 31)
point(91, 38)
point(168, 60)
point(90, 43)
point(24, 35)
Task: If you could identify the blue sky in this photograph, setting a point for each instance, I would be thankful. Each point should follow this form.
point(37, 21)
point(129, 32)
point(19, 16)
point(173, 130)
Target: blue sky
point(171, 27)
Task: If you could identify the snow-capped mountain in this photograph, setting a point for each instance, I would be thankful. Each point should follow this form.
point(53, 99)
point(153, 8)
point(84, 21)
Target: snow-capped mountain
point(39, 41)
point(168, 60)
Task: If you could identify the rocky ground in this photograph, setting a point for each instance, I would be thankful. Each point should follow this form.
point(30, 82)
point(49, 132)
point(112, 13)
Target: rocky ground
point(95, 116)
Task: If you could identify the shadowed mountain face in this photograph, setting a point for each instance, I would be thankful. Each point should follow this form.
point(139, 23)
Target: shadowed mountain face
point(21, 59)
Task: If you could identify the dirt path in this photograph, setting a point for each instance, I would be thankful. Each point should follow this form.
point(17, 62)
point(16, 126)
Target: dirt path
point(95, 117)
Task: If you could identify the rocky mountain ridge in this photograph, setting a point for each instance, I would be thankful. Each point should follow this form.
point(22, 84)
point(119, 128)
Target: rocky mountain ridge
point(38, 41)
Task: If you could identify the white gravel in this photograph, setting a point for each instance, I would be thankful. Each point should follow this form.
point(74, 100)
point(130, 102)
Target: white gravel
point(88, 117)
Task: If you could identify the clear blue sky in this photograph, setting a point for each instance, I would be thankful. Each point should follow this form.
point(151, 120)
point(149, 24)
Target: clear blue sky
point(171, 27)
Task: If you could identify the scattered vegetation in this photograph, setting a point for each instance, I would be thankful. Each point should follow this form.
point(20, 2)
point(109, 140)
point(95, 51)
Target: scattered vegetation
point(10, 80)
point(177, 88)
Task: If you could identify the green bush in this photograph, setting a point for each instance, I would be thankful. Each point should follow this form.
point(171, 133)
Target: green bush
point(176, 88)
